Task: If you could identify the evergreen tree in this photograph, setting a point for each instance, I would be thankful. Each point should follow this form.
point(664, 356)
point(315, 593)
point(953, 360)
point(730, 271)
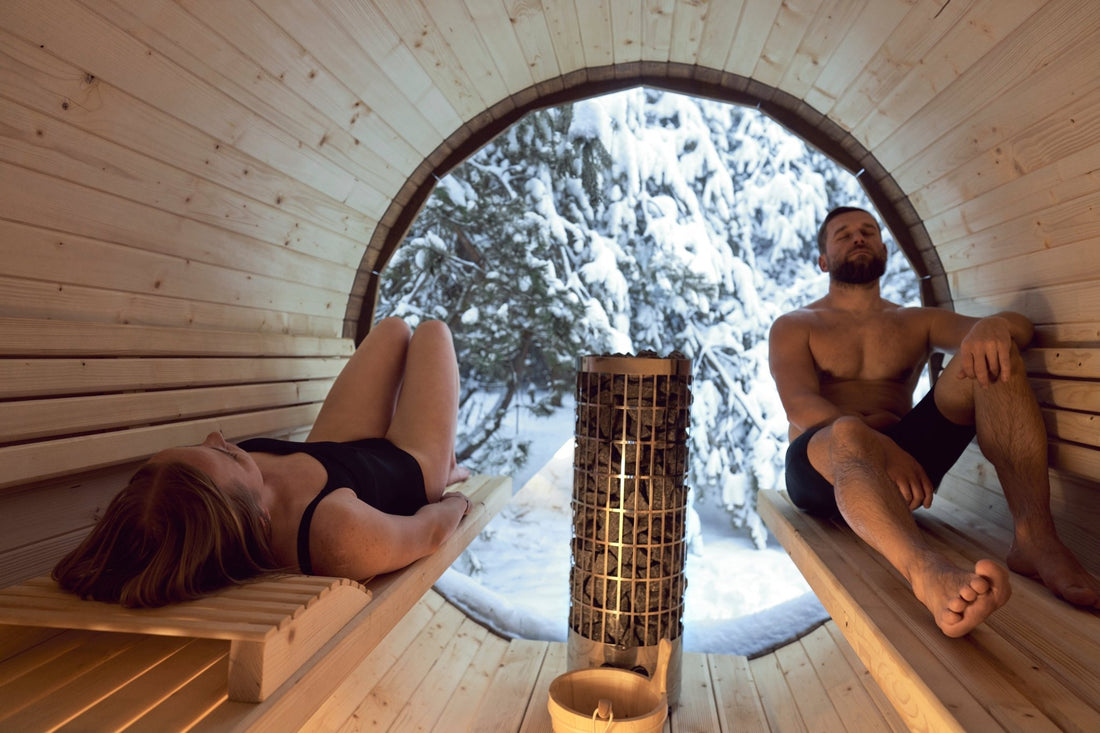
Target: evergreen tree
point(639, 220)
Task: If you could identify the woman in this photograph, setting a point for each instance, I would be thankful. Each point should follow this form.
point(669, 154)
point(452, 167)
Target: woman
point(363, 495)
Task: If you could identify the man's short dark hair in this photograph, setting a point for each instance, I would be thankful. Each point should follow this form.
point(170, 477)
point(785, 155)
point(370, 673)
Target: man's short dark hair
point(821, 239)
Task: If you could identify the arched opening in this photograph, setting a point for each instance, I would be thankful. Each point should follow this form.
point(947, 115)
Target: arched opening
point(897, 212)
point(508, 226)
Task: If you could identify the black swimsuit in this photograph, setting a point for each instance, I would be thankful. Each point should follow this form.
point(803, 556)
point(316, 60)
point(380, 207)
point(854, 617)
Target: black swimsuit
point(380, 474)
point(924, 433)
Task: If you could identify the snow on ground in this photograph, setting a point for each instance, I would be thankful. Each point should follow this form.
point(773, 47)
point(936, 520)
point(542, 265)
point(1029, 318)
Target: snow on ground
point(514, 578)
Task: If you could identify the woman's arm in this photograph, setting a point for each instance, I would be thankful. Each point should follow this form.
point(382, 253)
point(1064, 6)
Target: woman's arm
point(354, 540)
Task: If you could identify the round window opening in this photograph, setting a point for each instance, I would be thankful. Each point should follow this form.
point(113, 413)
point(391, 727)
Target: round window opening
point(639, 220)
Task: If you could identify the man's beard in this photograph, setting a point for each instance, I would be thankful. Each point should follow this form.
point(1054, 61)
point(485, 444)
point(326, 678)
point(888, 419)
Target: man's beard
point(858, 272)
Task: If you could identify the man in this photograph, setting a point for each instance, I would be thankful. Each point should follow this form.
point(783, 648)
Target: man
point(845, 367)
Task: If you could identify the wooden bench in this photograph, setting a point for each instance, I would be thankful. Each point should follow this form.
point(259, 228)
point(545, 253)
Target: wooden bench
point(1033, 665)
point(287, 642)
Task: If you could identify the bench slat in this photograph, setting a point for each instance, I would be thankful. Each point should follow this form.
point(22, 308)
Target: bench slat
point(48, 458)
point(23, 378)
point(1030, 666)
point(36, 419)
point(883, 628)
point(29, 337)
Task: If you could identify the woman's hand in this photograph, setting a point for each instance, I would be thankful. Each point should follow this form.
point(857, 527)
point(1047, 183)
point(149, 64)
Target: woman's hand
point(460, 495)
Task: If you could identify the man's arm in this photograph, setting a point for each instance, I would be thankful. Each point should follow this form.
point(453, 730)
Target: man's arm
point(983, 345)
point(792, 367)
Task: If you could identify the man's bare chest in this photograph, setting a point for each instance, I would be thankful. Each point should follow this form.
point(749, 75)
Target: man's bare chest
point(876, 349)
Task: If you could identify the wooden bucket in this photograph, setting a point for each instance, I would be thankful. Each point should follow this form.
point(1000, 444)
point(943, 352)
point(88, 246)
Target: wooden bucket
point(611, 700)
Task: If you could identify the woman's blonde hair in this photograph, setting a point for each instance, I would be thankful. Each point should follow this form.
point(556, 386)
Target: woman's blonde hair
point(170, 535)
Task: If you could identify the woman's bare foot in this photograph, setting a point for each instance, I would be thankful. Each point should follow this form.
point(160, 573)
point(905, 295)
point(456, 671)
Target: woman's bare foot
point(960, 600)
point(1056, 567)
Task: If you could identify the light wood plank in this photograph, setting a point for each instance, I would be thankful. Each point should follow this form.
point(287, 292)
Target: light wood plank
point(868, 31)
point(41, 142)
point(49, 458)
point(426, 704)
point(1057, 225)
point(736, 698)
point(688, 21)
point(884, 643)
point(832, 23)
point(595, 34)
point(83, 692)
point(845, 690)
point(913, 39)
point(49, 301)
point(367, 24)
point(125, 705)
point(537, 717)
point(1002, 142)
point(474, 689)
point(45, 83)
point(33, 198)
point(34, 419)
point(720, 23)
point(882, 704)
point(779, 55)
point(201, 51)
point(993, 63)
point(564, 26)
point(1076, 427)
point(22, 378)
point(1067, 264)
point(348, 695)
point(779, 705)
point(532, 32)
point(627, 31)
point(1054, 304)
point(696, 711)
point(90, 42)
point(394, 594)
point(495, 28)
point(1068, 362)
point(30, 337)
point(657, 20)
point(1019, 40)
point(189, 705)
point(435, 56)
point(514, 679)
point(752, 32)
point(814, 703)
point(1062, 181)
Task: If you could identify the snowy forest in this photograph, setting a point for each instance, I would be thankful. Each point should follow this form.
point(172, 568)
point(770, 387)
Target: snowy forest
point(640, 220)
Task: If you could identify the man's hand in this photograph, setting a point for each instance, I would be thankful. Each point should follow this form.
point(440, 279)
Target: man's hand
point(909, 476)
point(985, 351)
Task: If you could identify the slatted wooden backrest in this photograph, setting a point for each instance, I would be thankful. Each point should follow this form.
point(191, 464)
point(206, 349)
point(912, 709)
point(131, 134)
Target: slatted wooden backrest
point(195, 186)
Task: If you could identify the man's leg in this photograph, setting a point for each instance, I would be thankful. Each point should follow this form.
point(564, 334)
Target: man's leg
point(851, 456)
point(1011, 434)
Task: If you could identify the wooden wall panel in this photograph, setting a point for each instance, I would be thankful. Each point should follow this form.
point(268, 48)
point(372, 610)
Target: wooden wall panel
point(194, 194)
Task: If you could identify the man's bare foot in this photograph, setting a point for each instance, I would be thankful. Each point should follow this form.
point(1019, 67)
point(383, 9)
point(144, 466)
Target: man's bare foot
point(1057, 568)
point(960, 600)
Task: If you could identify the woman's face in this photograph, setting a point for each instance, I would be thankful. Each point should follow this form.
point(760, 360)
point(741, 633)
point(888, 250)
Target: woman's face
point(225, 463)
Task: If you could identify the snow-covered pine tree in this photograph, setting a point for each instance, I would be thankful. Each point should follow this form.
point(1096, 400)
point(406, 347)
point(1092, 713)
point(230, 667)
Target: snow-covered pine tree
point(642, 219)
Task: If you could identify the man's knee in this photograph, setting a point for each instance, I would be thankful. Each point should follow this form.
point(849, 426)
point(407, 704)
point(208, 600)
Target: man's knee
point(850, 435)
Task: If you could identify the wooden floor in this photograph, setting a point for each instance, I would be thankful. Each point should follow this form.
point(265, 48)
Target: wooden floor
point(438, 670)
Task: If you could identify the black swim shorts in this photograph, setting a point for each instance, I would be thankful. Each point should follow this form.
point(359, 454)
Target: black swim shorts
point(933, 440)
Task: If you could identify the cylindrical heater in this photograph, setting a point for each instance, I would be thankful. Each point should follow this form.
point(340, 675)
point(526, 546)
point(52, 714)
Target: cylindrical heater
point(629, 505)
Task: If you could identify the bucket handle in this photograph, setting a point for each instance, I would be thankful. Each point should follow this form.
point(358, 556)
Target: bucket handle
point(604, 712)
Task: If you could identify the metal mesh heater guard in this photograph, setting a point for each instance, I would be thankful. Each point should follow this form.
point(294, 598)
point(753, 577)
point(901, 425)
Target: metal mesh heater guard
point(629, 508)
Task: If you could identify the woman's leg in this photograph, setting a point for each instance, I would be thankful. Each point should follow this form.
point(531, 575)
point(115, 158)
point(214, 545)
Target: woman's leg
point(427, 406)
point(363, 398)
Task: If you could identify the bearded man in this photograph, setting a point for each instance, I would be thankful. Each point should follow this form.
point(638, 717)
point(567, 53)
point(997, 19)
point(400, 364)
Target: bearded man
point(846, 367)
